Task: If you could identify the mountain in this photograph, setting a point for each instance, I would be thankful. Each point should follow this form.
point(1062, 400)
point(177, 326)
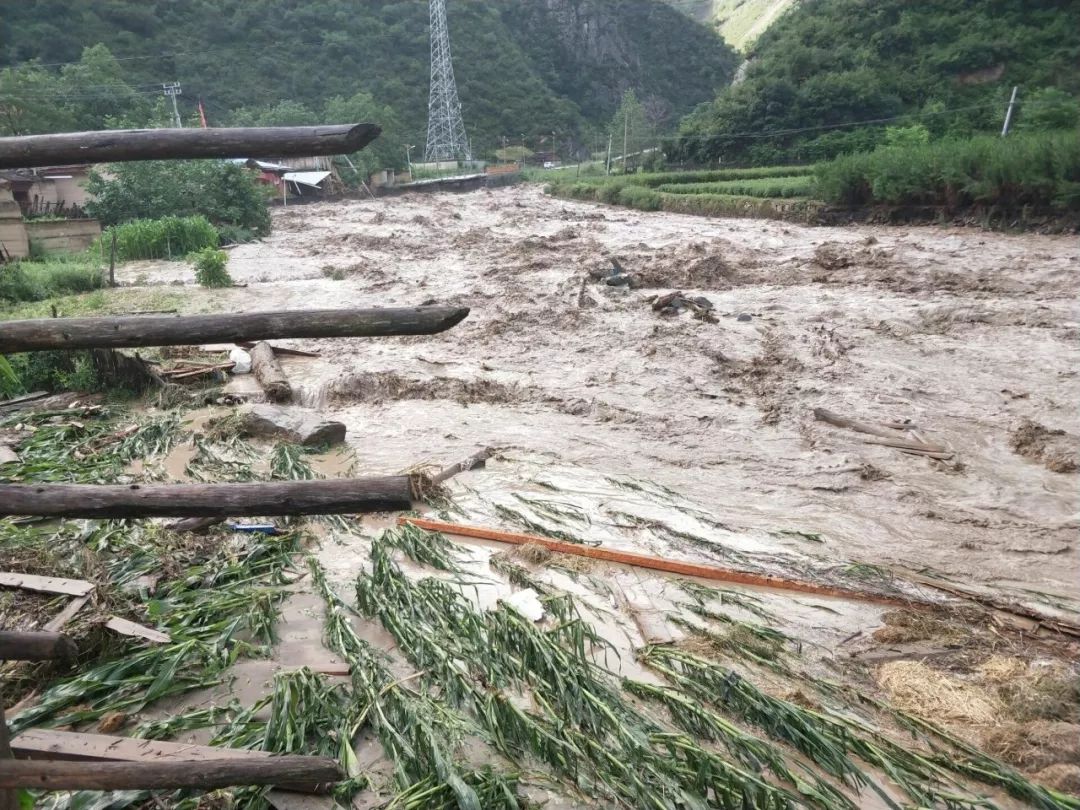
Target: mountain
point(739, 22)
point(529, 68)
point(825, 76)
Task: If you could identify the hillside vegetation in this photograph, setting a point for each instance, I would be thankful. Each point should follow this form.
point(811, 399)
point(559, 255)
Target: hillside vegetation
point(521, 68)
point(739, 22)
point(828, 64)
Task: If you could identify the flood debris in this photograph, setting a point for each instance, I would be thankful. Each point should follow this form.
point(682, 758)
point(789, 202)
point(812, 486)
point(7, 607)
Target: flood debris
point(1053, 448)
point(902, 437)
point(673, 303)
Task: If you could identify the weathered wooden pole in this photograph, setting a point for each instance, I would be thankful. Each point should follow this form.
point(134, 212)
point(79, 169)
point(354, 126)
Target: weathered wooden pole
point(35, 646)
point(28, 151)
point(183, 330)
point(268, 372)
point(201, 775)
point(320, 497)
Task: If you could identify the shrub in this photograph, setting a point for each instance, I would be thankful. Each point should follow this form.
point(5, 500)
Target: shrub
point(801, 186)
point(644, 199)
point(36, 281)
point(165, 238)
point(210, 268)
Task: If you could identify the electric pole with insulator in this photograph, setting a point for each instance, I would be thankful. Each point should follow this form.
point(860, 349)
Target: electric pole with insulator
point(172, 89)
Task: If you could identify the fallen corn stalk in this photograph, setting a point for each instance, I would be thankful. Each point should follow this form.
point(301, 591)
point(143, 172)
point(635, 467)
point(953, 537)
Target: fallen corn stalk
point(656, 563)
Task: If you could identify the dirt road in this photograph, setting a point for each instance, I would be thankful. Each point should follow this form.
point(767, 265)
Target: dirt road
point(970, 337)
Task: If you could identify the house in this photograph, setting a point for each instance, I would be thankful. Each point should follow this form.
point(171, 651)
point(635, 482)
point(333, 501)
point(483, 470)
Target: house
point(14, 243)
point(52, 190)
point(301, 177)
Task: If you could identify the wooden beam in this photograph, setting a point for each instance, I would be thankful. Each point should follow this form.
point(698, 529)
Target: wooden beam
point(268, 372)
point(319, 497)
point(32, 582)
point(208, 775)
point(35, 646)
point(64, 148)
point(183, 330)
point(9, 799)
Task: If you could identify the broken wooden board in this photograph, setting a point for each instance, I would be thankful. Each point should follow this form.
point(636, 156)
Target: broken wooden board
point(67, 614)
point(74, 745)
point(32, 582)
point(126, 628)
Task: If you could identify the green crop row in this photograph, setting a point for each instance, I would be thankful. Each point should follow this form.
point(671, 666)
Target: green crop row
point(165, 238)
point(784, 187)
point(1039, 170)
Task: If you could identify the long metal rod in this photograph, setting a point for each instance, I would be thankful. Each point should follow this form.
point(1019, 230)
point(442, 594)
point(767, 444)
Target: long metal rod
point(110, 146)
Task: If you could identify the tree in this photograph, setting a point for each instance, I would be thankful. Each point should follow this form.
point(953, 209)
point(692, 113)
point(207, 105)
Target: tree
point(29, 97)
point(223, 192)
point(913, 135)
point(385, 152)
point(1049, 108)
point(629, 129)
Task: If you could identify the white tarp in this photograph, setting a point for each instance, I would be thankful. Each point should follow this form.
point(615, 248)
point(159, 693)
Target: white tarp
point(306, 178)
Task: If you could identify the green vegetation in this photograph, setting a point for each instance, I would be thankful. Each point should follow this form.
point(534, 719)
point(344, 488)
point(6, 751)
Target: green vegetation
point(827, 64)
point(1041, 171)
point(787, 186)
point(534, 68)
point(40, 280)
point(768, 191)
point(165, 238)
point(224, 193)
point(210, 269)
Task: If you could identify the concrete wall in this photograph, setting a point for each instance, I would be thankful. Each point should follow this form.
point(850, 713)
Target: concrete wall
point(13, 238)
point(63, 236)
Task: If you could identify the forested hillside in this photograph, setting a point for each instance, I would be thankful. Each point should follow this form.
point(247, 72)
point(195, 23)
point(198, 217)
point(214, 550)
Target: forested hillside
point(828, 63)
point(522, 68)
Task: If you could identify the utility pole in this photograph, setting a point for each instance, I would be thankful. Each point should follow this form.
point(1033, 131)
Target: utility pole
point(607, 161)
point(1009, 112)
point(523, 150)
point(625, 129)
point(408, 158)
point(172, 89)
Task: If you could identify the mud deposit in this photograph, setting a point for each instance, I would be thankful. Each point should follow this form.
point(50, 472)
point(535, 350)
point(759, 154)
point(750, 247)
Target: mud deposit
point(967, 338)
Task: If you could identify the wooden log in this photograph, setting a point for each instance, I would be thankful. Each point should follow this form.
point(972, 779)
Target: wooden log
point(9, 799)
point(320, 497)
point(49, 744)
point(183, 330)
point(206, 775)
point(65, 148)
point(35, 646)
point(268, 372)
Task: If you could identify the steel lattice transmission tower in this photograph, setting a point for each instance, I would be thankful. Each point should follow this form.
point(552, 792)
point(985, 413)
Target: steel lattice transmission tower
point(446, 138)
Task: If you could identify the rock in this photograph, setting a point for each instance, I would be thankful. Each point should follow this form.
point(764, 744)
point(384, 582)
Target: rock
point(292, 424)
point(7, 455)
point(703, 302)
point(618, 281)
point(744, 317)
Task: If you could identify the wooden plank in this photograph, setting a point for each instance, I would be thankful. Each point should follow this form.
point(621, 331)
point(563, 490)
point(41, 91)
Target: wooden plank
point(318, 497)
point(209, 775)
point(119, 331)
point(65, 148)
point(9, 799)
point(32, 582)
point(127, 628)
point(67, 614)
point(35, 646)
point(39, 743)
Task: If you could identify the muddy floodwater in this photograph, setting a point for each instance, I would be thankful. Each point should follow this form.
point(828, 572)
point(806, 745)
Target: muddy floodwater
point(968, 338)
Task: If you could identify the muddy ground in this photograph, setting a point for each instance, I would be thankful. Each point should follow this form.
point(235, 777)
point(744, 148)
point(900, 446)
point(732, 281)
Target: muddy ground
point(968, 337)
